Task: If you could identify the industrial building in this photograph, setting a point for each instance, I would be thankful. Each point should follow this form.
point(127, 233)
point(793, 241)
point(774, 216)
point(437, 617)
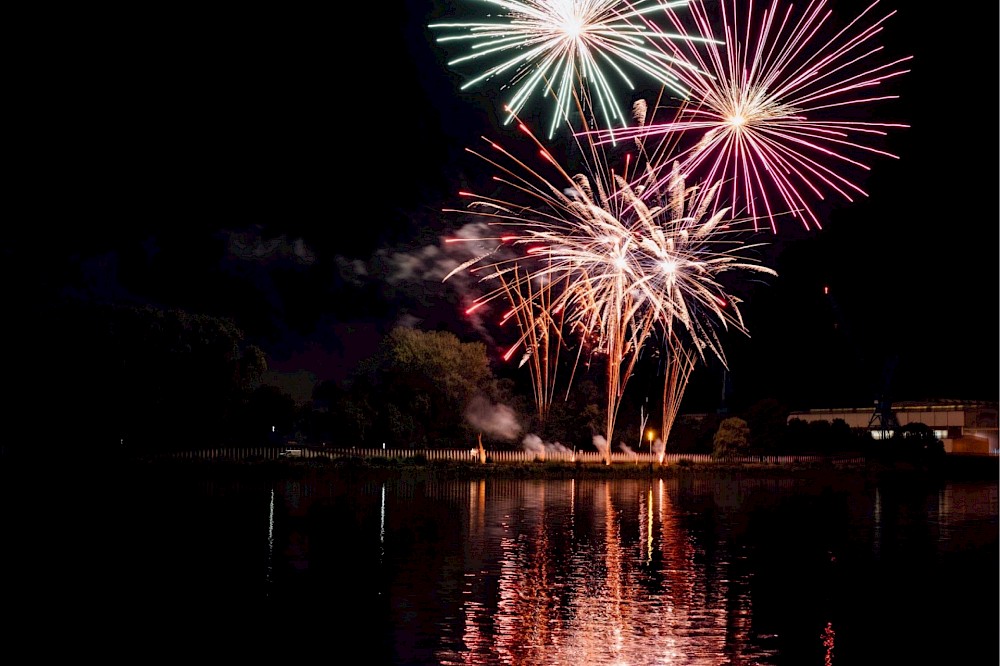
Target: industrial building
point(964, 426)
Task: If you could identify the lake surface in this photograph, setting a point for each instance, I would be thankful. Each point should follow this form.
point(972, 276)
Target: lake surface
point(697, 569)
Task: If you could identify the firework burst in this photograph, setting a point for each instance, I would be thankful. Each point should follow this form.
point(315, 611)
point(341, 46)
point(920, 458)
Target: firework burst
point(770, 113)
point(617, 257)
point(575, 51)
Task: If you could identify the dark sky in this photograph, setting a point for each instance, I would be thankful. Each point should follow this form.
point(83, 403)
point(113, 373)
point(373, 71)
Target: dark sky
point(286, 167)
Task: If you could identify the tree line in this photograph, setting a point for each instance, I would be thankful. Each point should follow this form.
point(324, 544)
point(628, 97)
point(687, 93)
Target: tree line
point(143, 377)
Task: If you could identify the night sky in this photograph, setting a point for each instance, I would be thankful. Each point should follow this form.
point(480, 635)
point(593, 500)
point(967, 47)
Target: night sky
point(287, 170)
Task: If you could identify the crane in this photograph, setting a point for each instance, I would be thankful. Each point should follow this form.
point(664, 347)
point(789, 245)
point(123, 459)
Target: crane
point(883, 417)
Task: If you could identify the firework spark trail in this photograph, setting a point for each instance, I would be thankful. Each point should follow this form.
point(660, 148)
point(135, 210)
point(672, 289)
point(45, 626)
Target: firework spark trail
point(680, 363)
point(541, 337)
point(635, 254)
point(767, 110)
point(561, 47)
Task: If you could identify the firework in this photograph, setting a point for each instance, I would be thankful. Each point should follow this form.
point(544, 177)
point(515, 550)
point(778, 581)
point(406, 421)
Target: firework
point(619, 257)
point(574, 51)
point(770, 113)
point(541, 337)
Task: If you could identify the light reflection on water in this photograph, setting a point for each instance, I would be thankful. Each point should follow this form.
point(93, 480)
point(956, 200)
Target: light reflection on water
point(597, 572)
point(698, 570)
point(666, 571)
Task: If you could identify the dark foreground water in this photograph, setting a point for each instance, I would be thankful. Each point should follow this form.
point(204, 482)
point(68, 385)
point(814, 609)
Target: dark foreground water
point(302, 566)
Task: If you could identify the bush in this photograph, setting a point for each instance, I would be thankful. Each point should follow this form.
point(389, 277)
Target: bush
point(916, 443)
point(731, 439)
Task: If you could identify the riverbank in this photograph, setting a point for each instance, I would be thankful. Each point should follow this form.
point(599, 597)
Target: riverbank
point(950, 467)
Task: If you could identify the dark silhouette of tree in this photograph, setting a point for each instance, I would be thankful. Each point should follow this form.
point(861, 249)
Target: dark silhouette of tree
point(270, 414)
point(916, 443)
point(796, 437)
point(142, 376)
point(694, 433)
point(573, 419)
point(186, 375)
point(820, 437)
point(768, 423)
point(841, 437)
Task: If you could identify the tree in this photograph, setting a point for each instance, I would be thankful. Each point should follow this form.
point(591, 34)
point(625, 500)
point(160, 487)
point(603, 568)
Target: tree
point(917, 443)
point(819, 437)
point(268, 407)
point(417, 386)
point(187, 375)
point(694, 434)
point(767, 420)
point(841, 437)
point(141, 375)
point(732, 438)
point(796, 436)
point(572, 422)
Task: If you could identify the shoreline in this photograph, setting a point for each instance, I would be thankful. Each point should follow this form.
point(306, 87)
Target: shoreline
point(76, 466)
point(951, 468)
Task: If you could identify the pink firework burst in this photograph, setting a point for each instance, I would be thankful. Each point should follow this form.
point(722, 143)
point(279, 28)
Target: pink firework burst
point(780, 113)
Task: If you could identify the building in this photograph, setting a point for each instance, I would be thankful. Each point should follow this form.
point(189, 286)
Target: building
point(965, 426)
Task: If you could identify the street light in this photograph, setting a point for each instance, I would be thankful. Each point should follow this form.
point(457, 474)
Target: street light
point(649, 436)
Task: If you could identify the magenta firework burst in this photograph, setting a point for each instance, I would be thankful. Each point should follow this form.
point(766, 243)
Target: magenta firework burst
point(782, 112)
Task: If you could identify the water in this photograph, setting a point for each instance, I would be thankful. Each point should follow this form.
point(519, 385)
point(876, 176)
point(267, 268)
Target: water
point(693, 570)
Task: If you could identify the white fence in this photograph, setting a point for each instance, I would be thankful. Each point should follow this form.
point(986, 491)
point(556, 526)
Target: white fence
point(470, 455)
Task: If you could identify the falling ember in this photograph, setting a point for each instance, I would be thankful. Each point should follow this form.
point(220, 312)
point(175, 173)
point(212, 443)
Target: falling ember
point(829, 640)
